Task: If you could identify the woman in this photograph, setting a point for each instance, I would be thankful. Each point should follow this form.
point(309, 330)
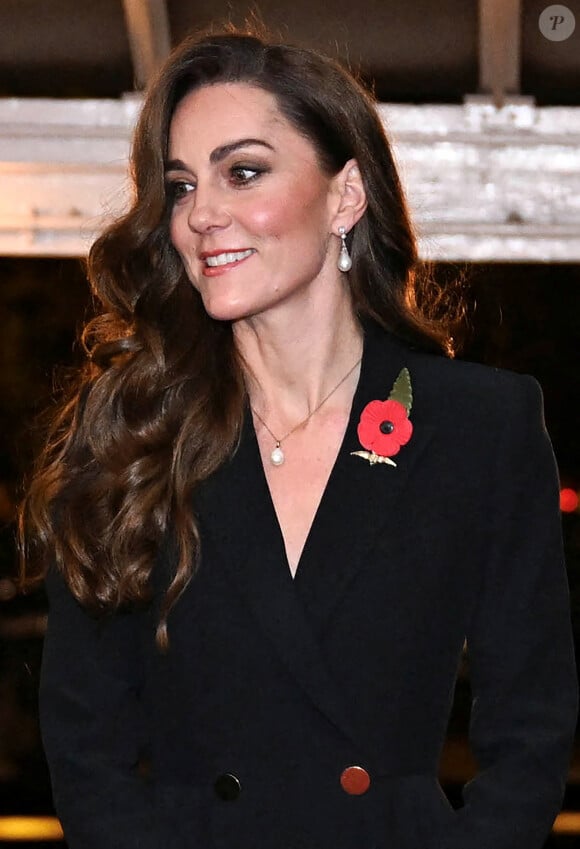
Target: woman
point(275, 514)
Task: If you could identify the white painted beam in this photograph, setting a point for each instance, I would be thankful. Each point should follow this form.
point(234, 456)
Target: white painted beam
point(488, 184)
point(483, 183)
point(149, 38)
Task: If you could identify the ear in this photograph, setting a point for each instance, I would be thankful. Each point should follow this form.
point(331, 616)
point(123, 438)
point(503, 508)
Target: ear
point(351, 197)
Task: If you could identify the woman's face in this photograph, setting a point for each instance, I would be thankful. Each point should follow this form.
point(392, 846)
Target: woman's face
point(252, 211)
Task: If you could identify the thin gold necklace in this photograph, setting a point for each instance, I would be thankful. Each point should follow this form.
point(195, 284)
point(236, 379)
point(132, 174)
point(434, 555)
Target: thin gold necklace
point(277, 455)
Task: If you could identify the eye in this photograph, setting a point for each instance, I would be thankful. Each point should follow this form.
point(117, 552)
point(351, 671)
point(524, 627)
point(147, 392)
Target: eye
point(176, 190)
point(241, 175)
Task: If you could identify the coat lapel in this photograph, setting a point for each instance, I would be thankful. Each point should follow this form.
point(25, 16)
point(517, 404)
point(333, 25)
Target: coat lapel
point(236, 511)
point(360, 500)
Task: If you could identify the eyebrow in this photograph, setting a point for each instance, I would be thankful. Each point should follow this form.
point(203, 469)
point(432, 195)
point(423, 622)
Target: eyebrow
point(220, 153)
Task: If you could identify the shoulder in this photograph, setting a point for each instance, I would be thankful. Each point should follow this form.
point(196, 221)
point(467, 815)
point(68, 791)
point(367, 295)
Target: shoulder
point(459, 388)
point(474, 412)
point(486, 418)
point(472, 387)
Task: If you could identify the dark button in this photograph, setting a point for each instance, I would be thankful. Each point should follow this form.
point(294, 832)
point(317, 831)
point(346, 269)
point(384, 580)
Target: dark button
point(227, 787)
point(386, 427)
point(355, 780)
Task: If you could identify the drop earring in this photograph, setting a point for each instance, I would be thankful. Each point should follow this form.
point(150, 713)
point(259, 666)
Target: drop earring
point(344, 260)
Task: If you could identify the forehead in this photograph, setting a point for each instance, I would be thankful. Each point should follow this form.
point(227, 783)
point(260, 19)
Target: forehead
point(218, 114)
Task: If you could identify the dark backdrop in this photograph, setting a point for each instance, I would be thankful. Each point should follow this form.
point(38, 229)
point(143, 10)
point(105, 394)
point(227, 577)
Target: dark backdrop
point(522, 317)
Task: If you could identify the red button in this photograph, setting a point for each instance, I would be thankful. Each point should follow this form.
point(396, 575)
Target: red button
point(355, 780)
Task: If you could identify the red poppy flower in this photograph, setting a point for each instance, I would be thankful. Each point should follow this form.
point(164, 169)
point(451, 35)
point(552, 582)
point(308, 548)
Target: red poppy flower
point(384, 426)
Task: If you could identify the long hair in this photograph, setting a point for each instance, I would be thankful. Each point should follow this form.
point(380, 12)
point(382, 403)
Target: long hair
point(160, 402)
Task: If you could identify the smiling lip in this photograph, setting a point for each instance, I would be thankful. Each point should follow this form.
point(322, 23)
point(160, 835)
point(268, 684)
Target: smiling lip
point(218, 262)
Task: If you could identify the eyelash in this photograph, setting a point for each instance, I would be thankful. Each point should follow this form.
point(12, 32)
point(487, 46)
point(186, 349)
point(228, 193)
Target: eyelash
point(254, 170)
point(178, 189)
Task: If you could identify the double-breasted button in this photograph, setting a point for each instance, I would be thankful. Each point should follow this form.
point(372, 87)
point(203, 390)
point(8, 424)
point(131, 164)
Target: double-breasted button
point(355, 780)
point(227, 787)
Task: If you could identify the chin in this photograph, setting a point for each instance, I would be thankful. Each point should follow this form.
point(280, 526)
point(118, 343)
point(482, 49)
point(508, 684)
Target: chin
point(224, 311)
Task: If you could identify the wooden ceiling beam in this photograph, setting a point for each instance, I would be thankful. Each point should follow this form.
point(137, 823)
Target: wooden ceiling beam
point(500, 48)
point(149, 37)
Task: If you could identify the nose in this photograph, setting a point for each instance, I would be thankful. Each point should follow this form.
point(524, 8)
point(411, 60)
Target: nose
point(207, 211)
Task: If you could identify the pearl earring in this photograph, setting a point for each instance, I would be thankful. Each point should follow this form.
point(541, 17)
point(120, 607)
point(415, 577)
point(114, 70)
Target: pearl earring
point(344, 260)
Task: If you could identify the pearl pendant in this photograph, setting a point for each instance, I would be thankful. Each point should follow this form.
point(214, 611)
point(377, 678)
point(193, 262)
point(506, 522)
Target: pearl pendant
point(344, 260)
point(277, 456)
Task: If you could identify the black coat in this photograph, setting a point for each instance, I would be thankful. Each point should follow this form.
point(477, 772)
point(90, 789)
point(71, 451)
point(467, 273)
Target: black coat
point(273, 686)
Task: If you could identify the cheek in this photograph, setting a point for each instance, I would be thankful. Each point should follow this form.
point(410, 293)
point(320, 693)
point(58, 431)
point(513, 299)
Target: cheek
point(284, 216)
point(178, 236)
point(176, 232)
point(266, 219)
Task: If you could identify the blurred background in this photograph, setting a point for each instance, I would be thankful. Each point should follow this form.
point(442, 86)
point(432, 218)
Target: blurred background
point(482, 101)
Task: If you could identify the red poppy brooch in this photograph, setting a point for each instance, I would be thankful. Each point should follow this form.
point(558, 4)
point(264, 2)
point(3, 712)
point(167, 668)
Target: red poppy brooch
point(384, 425)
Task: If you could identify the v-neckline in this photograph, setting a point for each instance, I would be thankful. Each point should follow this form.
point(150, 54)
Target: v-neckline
point(359, 506)
point(348, 430)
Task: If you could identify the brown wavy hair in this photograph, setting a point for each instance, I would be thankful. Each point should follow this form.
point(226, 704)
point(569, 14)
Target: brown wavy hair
point(160, 402)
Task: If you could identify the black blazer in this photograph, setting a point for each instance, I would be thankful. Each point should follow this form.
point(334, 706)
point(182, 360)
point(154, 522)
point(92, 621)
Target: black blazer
point(238, 737)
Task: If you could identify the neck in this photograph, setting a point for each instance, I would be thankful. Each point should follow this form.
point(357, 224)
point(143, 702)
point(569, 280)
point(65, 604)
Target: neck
point(293, 364)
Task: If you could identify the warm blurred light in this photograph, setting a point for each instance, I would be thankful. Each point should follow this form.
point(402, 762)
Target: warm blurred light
point(29, 828)
point(568, 500)
point(49, 828)
point(568, 822)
